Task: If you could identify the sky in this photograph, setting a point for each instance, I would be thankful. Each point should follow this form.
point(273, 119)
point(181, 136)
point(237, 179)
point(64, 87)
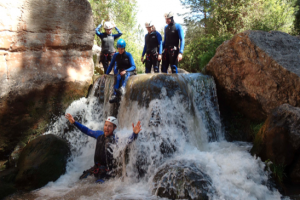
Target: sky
point(154, 10)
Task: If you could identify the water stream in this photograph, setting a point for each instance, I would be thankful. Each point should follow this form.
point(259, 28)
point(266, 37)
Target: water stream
point(180, 122)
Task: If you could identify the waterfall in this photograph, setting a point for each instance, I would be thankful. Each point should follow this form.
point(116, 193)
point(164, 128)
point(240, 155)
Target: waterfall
point(180, 121)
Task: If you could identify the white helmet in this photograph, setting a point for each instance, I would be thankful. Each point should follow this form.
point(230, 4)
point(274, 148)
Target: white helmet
point(108, 25)
point(112, 120)
point(148, 24)
point(169, 15)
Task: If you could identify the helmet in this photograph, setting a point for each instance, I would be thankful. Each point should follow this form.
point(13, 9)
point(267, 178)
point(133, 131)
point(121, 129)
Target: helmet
point(169, 15)
point(112, 120)
point(108, 25)
point(121, 43)
point(148, 24)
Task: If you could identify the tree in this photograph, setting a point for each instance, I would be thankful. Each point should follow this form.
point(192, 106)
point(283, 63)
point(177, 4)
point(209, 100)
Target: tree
point(297, 19)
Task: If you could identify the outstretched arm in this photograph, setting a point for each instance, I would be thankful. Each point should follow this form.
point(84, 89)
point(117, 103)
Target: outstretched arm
point(136, 129)
point(84, 129)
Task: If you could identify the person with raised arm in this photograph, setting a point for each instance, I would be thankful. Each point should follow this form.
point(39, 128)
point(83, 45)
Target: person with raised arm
point(103, 158)
point(107, 42)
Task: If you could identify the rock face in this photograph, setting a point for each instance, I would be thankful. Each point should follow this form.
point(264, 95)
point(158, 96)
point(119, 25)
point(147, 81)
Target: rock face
point(42, 160)
point(257, 71)
point(45, 63)
point(182, 180)
point(279, 140)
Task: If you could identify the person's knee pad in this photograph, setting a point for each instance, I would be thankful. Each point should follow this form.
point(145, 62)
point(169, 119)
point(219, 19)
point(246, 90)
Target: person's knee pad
point(174, 69)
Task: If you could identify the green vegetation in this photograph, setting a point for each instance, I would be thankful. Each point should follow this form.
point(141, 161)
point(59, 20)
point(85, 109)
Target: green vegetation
point(255, 128)
point(123, 13)
point(212, 22)
point(277, 170)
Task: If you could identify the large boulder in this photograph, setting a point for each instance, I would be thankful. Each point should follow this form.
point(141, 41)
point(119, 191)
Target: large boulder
point(43, 160)
point(182, 180)
point(256, 72)
point(279, 140)
point(45, 63)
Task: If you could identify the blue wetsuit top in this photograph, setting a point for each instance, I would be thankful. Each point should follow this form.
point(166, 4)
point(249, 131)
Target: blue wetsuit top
point(159, 41)
point(96, 134)
point(170, 39)
point(124, 61)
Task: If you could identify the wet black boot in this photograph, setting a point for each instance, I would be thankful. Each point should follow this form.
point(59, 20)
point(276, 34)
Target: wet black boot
point(120, 91)
point(114, 99)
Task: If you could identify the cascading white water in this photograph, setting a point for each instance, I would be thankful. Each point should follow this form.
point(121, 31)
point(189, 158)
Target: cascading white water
point(180, 124)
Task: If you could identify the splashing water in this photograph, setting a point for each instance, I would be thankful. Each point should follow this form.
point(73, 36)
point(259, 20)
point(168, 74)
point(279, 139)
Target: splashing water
point(180, 122)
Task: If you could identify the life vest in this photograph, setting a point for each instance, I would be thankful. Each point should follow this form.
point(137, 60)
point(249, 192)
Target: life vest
point(151, 42)
point(172, 37)
point(123, 62)
point(103, 152)
point(107, 43)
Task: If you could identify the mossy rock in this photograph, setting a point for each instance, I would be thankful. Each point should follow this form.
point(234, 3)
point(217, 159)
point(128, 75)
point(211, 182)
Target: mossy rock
point(43, 160)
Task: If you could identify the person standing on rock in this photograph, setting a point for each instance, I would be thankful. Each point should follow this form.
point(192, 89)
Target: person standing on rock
point(107, 42)
point(152, 48)
point(103, 158)
point(126, 68)
point(172, 52)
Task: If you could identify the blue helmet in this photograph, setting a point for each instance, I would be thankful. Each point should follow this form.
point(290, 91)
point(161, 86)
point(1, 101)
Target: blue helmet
point(121, 43)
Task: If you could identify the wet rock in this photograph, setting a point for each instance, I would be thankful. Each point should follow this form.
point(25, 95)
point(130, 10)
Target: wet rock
point(256, 72)
point(7, 186)
point(45, 64)
point(43, 160)
point(279, 139)
point(294, 170)
point(14, 156)
point(182, 180)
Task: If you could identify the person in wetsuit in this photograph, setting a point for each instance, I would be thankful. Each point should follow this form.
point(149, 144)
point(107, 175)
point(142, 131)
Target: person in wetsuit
point(107, 43)
point(152, 48)
point(103, 158)
point(172, 52)
point(126, 68)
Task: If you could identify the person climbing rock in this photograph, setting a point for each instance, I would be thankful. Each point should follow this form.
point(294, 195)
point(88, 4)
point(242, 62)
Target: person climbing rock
point(107, 43)
point(126, 68)
point(152, 48)
point(103, 158)
point(172, 52)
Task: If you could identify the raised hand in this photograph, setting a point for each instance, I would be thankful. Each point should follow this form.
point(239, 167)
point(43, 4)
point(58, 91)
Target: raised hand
point(137, 128)
point(70, 118)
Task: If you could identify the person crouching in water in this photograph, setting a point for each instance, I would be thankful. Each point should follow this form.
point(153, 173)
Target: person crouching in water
point(152, 48)
point(126, 68)
point(103, 158)
point(107, 43)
